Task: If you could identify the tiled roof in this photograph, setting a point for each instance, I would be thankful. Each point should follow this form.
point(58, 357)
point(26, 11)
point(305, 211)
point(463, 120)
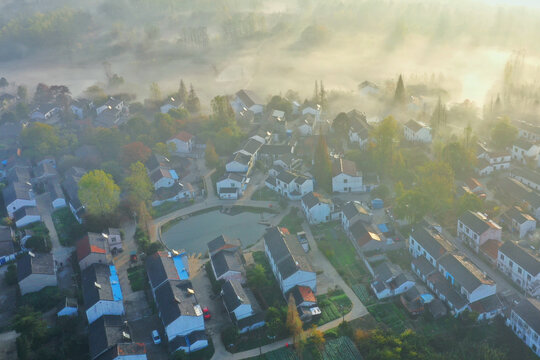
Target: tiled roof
point(521, 257)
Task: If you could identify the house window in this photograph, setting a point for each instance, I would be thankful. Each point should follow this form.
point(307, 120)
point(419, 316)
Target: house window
point(502, 257)
point(519, 270)
point(510, 263)
point(344, 181)
point(529, 277)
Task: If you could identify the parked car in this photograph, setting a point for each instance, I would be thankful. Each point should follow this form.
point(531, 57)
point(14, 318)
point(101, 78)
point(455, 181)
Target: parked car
point(155, 337)
point(206, 314)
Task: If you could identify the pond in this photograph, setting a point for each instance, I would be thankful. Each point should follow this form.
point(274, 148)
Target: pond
point(193, 233)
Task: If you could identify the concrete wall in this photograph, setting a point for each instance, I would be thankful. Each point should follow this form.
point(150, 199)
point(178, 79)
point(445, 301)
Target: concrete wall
point(36, 282)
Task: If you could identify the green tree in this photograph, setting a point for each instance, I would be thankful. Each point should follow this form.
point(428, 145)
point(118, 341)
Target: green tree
point(458, 157)
point(222, 110)
point(155, 92)
point(400, 96)
point(182, 92)
point(436, 181)
point(282, 104)
point(30, 324)
point(138, 184)
point(294, 325)
point(164, 149)
point(210, 155)
point(3, 82)
point(439, 116)
point(99, 193)
point(503, 134)
point(317, 338)
point(10, 277)
point(22, 93)
point(40, 140)
point(322, 167)
point(341, 125)
point(256, 277)
point(470, 202)
point(412, 205)
point(385, 135)
point(193, 104)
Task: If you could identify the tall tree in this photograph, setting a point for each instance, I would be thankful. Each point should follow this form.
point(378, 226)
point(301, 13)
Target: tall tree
point(341, 124)
point(39, 140)
point(155, 92)
point(99, 193)
point(386, 135)
point(210, 155)
point(322, 167)
point(294, 325)
point(138, 184)
point(317, 338)
point(193, 104)
point(3, 82)
point(22, 93)
point(400, 97)
point(323, 96)
point(222, 110)
point(182, 92)
point(439, 116)
point(316, 97)
point(503, 134)
point(135, 151)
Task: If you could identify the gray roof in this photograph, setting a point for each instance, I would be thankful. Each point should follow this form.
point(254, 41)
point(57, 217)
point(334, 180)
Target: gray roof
point(225, 261)
point(414, 125)
point(529, 310)
point(37, 264)
point(353, 208)
point(424, 266)
point(286, 176)
point(521, 257)
point(160, 267)
point(54, 189)
point(233, 176)
point(464, 272)
point(528, 174)
point(474, 222)
point(221, 242)
point(25, 211)
point(523, 144)
point(234, 295)
point(241, 158)
point(433, 243)
point(248, 98)
point(444, 287)
point(276, 244)
point(251, 146)
point(515, 213)
point(6, 234)
point(519, 192)
point(288, 262)
point(16, 191)
point(106, 339)
point(92, 275)
point(71, 186)
point(310, 200)
point(386, 271)
point(155, 161)
point(184, 341)
point(173, 301)
point(19, 174)
point(276, 149)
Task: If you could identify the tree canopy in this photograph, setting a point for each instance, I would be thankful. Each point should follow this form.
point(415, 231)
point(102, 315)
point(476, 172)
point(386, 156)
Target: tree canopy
point(503, 134)
point(322, 167)
point(99, 193)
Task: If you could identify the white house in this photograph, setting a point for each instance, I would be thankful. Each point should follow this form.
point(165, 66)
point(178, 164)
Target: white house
point(233, 185)
point(524, 323)
point(163, 178)
point(527, 177)
point(112, 104)
point(109, 338)
point(183, 141)
point(192, 342)
point(101, 291)
point(417, 132)
point(359, 130)
point(26, 216)
point(316, 208)
point(528, 131)
point(475, 229)
point(18, 195)
point(288, 262)
point(176, 192)
point(522, 267)
point(524, 151)
point(178, 308)
point(345, 177)
point(353, 211)
point(305, 127)
point(236, 301)
point(35, 271)
point(390, 280)
point(367, 88)
point(80, 107)
point(428, 243)
point(499, 160)
point(170, 104)
point(71, 189)
point(47, 113)
point(227, 265)
point(240, 163)
point(56, 195)
point(247, 100)
point(519, 221)
point(289, 184)
point(164, 265)
point(313, 110)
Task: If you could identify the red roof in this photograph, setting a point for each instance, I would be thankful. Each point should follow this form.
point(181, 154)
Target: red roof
point(307, 294)
point(84, 248)
point(183, 136)
point(491, 248)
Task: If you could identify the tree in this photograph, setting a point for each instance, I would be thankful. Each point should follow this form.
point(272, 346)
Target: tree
point(256, 277)
point(439, 116)
point(10, 277)
point(135, 151)
point(386, 135)
point(317, 338)
point(210, 155)
point(470, 202)
point(316, 99)
point(138, 184)
point(341, 124)
point(400, 96)
point(503, 134)
point(412, 205)
point(22, 93)
point(458, 157)
point(155, 92)
point(222, 110)
point(99, 193)
point(193, 104)
point(43, 94)
point(164, 149)
point(436, 181)
point(322, 168)
point(30, 324)
point(182, 92)
point(323, 96)
point(282, 104)
point(9, 116)
point(21, 110)
point(3, 82)
point(39, 140)
point(294, 325)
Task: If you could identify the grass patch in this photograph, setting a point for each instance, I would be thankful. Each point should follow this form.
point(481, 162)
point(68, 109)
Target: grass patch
point(391, 316)
point(265, 194)
point(168, 207)
point(363, 294)
point(67, 227)
point(333, 305)
point(401, 257)
point(44, 299)
point(137, 278)
point(269, 295)
point(292, 221)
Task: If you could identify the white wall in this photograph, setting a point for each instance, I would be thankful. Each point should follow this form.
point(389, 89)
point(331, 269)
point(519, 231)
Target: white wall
point(164, 182)
point(243, 311)
point(234, 166)
point(18, 204)
point(347, 183)
point(104, 307)
point(36, 282)
point(304, 278)
point(184, 325)
point(28, 219)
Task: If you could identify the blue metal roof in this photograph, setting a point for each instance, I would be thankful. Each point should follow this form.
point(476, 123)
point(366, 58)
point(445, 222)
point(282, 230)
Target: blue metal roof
point(383, 228)
point(115, 284)
point(180, 262)
point(173, 174)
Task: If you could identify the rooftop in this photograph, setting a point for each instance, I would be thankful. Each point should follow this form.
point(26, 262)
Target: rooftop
point(521, 257)
point(34, 263)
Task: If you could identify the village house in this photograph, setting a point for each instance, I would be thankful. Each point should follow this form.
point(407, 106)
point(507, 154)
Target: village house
point(26, 216)
point(163, 178)
point(289, 184)
point(101, 291)
point(35, 271)
point(305, 125)
point(46, 113)
point(247, 100)
point(180, 312)
point(183, 142)
point(69, 307)
point(176, 192)
point(495, 160)
point(222, 243)
point(527, 130)
point(345, 177)
point(164, 265)
point(7, 248)
point(227, 264)
point(428, 243)
point(353, 211)
point(359, 130)
point(287, 260)
point(317, 209)
point(272, 152)
point(231, 186)
point(194, 341)
point(18, 195)
point(169, 104)
point(475, 229)
point(241, 306)
point(522, 267)
point(390, 280)
point(525, 323)
point(364, 237)
point(43, 172)
point(368, 88)
point(56, 195)
point(524, 151)
point(515, 192)
point(527, 177)
point(415, 131)
point(314, 110)
point(92, 249)
point(251, 147)
point(80, 107)
point(518, 221)
point(71, 189)
point(109, 338)
point(240, 163)
point(114, 240)
point(111, 104)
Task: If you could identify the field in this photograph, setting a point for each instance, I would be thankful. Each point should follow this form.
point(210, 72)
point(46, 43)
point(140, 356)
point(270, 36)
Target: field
point(363, 294)
point(341, 348)
point(137, 277)
point(333, 305)
point(391, 315)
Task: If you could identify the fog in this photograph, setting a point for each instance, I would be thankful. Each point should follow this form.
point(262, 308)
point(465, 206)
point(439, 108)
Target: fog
point(270, 47)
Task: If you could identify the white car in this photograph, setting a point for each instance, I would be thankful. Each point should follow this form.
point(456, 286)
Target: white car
point(155, 337)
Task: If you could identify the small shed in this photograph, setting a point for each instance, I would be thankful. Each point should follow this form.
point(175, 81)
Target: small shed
point(377, 203)
point(68, 308)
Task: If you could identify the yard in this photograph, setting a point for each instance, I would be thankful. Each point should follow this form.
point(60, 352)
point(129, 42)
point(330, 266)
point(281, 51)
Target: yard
point(67, 227)
point(293, 221)
point(270, 295)
point(337, 248)
point(391, 315)
point(333, 305)
point(137, 277)
point(265, 194)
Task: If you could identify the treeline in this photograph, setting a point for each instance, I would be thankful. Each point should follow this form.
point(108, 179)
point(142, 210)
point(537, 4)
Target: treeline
point(22, 35)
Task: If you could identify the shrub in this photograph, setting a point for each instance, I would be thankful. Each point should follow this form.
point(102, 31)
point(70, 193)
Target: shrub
point(10, 276)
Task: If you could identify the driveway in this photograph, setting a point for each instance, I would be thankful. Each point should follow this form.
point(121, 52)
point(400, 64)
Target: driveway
point(141, 332)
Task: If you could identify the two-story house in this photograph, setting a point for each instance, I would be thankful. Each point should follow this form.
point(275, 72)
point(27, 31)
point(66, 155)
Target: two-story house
point(415, 131)
point(359, 130)
point(317, 209)
point(183, 142)
point(241, 306)
point(390, 280)
point(231, 186)
point(527, 177)
point(521, 266)
point(475, 229)
point(345, 177)
point(353, 211)
point(240, 163)
point(519, 221)
point(247, 100)
point(287, 260)
point(101, 291)
point(71, 189)
point(164, 265)
point(92, 249)
point(35, 271)
point(289, 184)
point(525, 323)
point(524, 151)
point(109, 338)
